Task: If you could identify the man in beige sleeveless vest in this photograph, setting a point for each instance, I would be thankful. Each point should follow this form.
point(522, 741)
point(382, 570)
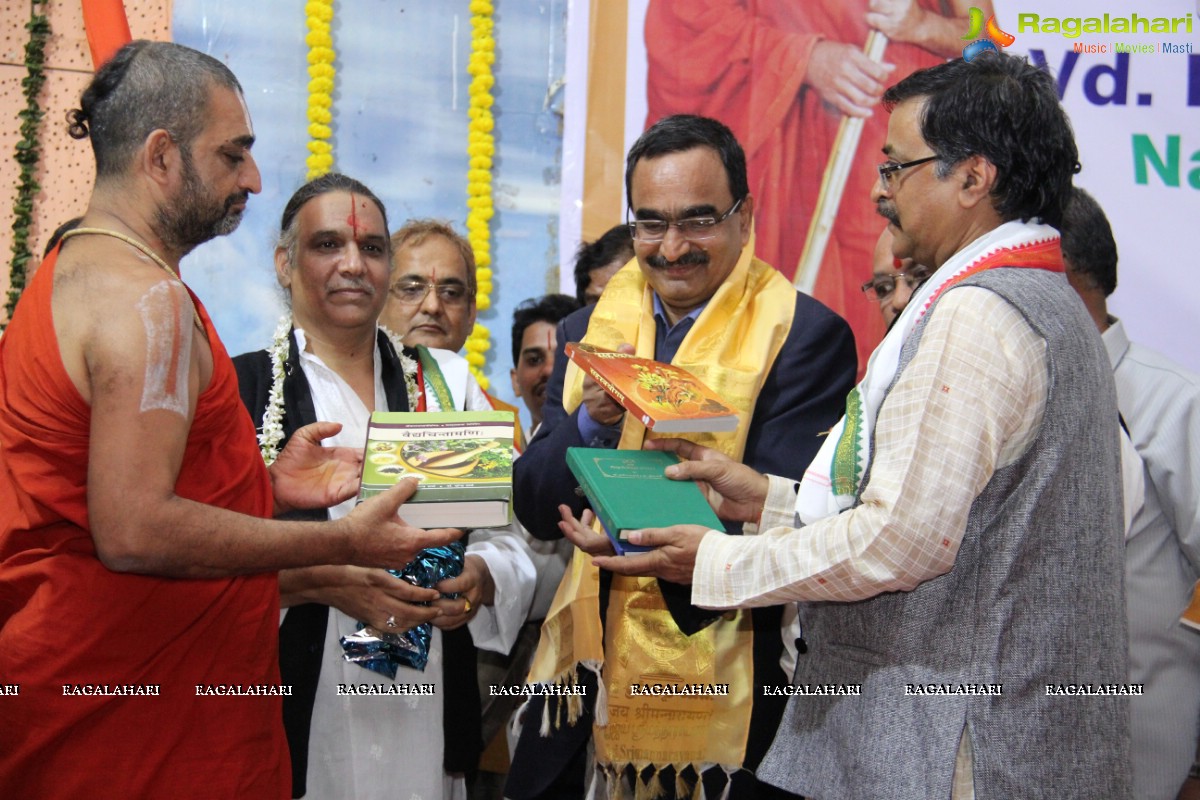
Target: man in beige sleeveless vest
point(960, 572)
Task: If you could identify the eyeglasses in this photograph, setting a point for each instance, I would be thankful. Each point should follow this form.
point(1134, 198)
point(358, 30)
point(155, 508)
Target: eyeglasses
point(880, 288)
point(889, 168)
point(694, 229)
point(411, 293)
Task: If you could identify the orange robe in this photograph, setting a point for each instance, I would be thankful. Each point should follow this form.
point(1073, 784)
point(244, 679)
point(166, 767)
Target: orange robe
point(66, 620)
point(744, 62)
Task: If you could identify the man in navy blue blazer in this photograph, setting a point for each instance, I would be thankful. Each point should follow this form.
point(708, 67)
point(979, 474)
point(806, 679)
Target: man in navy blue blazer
point(697, 297)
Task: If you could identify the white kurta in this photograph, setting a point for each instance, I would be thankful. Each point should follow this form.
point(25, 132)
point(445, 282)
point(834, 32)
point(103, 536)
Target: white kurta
point(390, 746)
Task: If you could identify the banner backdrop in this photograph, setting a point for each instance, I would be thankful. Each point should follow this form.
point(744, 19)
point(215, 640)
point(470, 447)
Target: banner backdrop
point(1128, 74)
point(400, 126)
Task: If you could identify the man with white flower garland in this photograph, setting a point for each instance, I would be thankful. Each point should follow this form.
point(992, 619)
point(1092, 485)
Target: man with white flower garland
point(331, 361)
point(962, 525)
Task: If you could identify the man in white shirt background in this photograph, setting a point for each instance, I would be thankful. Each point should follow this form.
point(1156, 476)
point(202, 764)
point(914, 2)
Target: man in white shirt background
point(1160, 404)
point(432, 293)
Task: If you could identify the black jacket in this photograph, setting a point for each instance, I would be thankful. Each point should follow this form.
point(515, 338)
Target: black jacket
point(302, 634)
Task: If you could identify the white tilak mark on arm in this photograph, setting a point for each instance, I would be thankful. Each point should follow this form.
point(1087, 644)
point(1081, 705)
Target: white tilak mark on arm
point(166, 312)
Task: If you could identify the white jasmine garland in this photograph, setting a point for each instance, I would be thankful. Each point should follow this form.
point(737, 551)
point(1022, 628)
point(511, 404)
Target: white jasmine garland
point(272, 421)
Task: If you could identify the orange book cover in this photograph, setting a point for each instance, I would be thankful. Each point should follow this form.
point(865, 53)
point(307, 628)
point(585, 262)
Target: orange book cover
point(665, 398)
point(1191, 616)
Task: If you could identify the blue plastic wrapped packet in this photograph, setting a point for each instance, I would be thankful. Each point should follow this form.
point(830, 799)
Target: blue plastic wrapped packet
point(383, 652)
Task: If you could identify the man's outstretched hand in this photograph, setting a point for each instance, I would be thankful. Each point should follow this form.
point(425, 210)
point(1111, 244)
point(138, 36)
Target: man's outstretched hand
point(736, 492)
point(673, 558)
point(377, 537)
point(581, 533)
point(307, 475)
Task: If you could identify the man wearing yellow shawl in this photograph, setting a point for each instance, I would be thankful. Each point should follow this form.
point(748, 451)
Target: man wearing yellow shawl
point(694, 295)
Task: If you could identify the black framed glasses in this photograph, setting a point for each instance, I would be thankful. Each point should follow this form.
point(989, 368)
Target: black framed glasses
point(880, 287)
point(414, 292)
point(889, 168)
point(694, 229)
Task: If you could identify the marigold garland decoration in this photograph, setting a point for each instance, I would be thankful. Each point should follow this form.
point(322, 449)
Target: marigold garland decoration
point(28, 152)
point(321, 55)
point(481, 148)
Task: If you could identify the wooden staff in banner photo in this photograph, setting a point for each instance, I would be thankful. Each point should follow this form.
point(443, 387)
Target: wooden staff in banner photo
point(833, 183)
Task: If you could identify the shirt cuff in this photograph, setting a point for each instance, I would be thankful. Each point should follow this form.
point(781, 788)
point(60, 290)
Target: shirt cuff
point(594, 434)
point(711, 587)
point(496, 627)
point(779, 509)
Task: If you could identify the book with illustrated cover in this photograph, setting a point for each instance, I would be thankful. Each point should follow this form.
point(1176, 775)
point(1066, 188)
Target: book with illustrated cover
point(463, 460)
point(628, 491)
point(664, 397)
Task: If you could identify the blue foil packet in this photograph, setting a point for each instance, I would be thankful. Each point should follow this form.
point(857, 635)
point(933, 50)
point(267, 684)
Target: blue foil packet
point(383, 652)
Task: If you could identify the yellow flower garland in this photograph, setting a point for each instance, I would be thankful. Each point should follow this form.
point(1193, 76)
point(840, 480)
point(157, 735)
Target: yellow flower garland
point(481, 145)
point(321, 55)
point(481, 148)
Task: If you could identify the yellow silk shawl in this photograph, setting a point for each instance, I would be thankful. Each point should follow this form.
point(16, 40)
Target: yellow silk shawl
point(731, 347)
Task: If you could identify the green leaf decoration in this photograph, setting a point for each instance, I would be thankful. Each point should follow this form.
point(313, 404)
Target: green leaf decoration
point(27, 153)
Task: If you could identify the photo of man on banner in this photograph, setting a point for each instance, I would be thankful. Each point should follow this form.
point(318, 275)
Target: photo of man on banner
point(784, 76)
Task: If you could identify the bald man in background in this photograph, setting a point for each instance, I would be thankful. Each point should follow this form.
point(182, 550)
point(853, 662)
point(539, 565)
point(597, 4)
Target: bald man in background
point(893, 280)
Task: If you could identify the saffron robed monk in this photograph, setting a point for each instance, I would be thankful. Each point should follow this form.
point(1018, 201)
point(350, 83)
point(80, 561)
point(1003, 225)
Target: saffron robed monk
point(136, 545)
point(693, 295)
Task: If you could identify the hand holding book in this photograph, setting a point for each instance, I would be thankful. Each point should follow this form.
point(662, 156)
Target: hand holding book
point(664, 397)
point(672, 558)
point(602, 407)
point(378, 537)
point(463, 460)
point(735, 491)
point(628, 490)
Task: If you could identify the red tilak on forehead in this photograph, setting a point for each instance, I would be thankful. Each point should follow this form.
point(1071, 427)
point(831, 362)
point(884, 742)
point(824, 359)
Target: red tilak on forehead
point(352, 220)
point(549, 347)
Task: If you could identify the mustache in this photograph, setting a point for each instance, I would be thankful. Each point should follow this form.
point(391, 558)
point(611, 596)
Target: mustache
point(234, 199)
point(888, 212)
point(356, 284)
point(692, 258)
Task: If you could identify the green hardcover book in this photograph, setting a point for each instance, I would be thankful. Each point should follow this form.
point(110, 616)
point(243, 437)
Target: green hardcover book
point(628, 491)
point(463, 460)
